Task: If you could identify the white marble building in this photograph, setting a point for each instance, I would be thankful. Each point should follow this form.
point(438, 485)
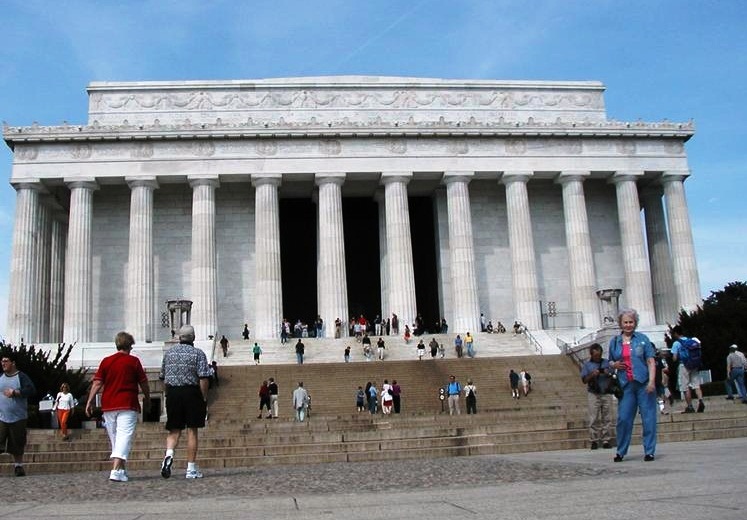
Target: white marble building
point(172, 189)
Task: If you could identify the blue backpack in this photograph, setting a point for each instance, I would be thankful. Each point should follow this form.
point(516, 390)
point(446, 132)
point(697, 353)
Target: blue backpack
point(690, 353)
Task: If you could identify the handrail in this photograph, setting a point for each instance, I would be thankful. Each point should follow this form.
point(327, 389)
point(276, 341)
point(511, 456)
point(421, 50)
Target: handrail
point(532, 340)
point(579, 350)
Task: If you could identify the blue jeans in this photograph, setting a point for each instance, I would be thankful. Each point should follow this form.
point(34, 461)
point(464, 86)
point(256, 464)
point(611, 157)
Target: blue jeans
point(635, 399)
point(299, 358)
point(470, 349)
point(736, 376)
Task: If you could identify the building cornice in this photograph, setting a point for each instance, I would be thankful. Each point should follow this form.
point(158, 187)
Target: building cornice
point(341, 129)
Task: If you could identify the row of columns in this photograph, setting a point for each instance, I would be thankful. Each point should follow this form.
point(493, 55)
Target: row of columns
point(51, 283)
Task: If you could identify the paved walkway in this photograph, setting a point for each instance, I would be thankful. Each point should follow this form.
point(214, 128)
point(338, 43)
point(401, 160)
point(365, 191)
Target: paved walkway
point(688, 480)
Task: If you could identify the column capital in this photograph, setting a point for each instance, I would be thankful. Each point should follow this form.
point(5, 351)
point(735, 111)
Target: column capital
point(260, 179)
point(29, 184)
point(390, 177)
point(516, 176)
point(626, 175)
point(88, 183)
point(329, 178)
point(457, 176)
point(145, 182)
point(203, 180)
point(572, 176)
point(674, 176)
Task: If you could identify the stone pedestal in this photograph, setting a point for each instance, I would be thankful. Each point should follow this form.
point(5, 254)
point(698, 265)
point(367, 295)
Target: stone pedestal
point(610, 306)
point(180, 314)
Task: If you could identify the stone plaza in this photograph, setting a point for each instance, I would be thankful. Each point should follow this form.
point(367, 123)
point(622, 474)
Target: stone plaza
point(531, 193)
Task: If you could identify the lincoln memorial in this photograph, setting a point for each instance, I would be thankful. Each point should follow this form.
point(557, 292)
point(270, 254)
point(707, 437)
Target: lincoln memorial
point(260, 200)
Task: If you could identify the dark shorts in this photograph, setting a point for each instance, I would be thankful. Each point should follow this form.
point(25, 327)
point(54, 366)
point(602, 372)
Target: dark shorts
point(185, 408)
point(13, 437)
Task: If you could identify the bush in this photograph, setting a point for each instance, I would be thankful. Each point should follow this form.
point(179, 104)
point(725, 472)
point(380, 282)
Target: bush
point(47, 375)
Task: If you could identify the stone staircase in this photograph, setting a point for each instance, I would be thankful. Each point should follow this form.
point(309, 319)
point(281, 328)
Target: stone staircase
point(325, 350)
point(553, 417)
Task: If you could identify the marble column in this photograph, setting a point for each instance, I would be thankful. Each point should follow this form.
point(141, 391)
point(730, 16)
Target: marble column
point(57, 277)
point(204, 270)
point(637, 292)
point(139, 292)
point(659, 255)
point(383, 256)
point(399, 248)
point(686, 280)
point(462, 252)
point(269, 284)
point(331, 273)
point(578, 241)
point(43, 259)
point(78, 314)
point(22, 298)
point(521, 242)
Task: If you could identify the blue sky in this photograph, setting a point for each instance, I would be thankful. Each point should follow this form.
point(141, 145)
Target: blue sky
point(659, 60)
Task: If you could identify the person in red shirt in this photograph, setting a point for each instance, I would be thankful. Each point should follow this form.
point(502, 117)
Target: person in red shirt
point(120, 375)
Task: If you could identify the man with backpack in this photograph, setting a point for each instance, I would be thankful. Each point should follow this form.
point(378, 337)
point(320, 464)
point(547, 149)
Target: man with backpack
point(688, 352)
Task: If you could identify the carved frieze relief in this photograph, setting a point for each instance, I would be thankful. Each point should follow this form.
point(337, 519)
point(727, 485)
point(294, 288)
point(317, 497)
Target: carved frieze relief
point(353, 147)
point(625, 147)
point(457, 146)
point(516, 146)
point(26, 153)
point(674, 147)
point(331, 98)
point(81, 151)
point(266, 148)
point(203, 148)
point(397, 146)
point(330, 147)
point(142, 150)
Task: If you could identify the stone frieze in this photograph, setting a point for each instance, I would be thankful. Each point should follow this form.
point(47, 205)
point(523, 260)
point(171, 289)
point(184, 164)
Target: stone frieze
point(353, 147)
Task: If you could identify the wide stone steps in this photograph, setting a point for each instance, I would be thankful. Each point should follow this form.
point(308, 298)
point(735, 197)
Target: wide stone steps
point(553, 417)
point(326, 350)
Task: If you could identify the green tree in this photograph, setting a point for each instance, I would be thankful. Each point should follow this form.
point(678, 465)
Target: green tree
point(720, 322)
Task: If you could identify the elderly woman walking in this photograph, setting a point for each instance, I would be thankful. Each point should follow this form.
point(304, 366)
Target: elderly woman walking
point(632, 355)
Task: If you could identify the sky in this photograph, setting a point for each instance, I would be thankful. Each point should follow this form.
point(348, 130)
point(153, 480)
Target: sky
point(659, 60)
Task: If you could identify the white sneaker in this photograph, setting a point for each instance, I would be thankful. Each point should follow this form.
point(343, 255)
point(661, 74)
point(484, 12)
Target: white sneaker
point(193, 473)
point(118, 475)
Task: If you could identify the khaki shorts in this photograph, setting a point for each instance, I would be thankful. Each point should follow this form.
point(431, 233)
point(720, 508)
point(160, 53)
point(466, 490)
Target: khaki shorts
point(689, 378)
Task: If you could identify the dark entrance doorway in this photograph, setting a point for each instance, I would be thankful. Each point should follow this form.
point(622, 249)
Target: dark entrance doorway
point(423, 231)
point(362, 264)
point(298, 260)
point(298, 244)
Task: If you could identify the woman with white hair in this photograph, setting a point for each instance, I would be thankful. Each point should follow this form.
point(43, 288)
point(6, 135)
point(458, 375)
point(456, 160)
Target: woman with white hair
point(632, 355)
